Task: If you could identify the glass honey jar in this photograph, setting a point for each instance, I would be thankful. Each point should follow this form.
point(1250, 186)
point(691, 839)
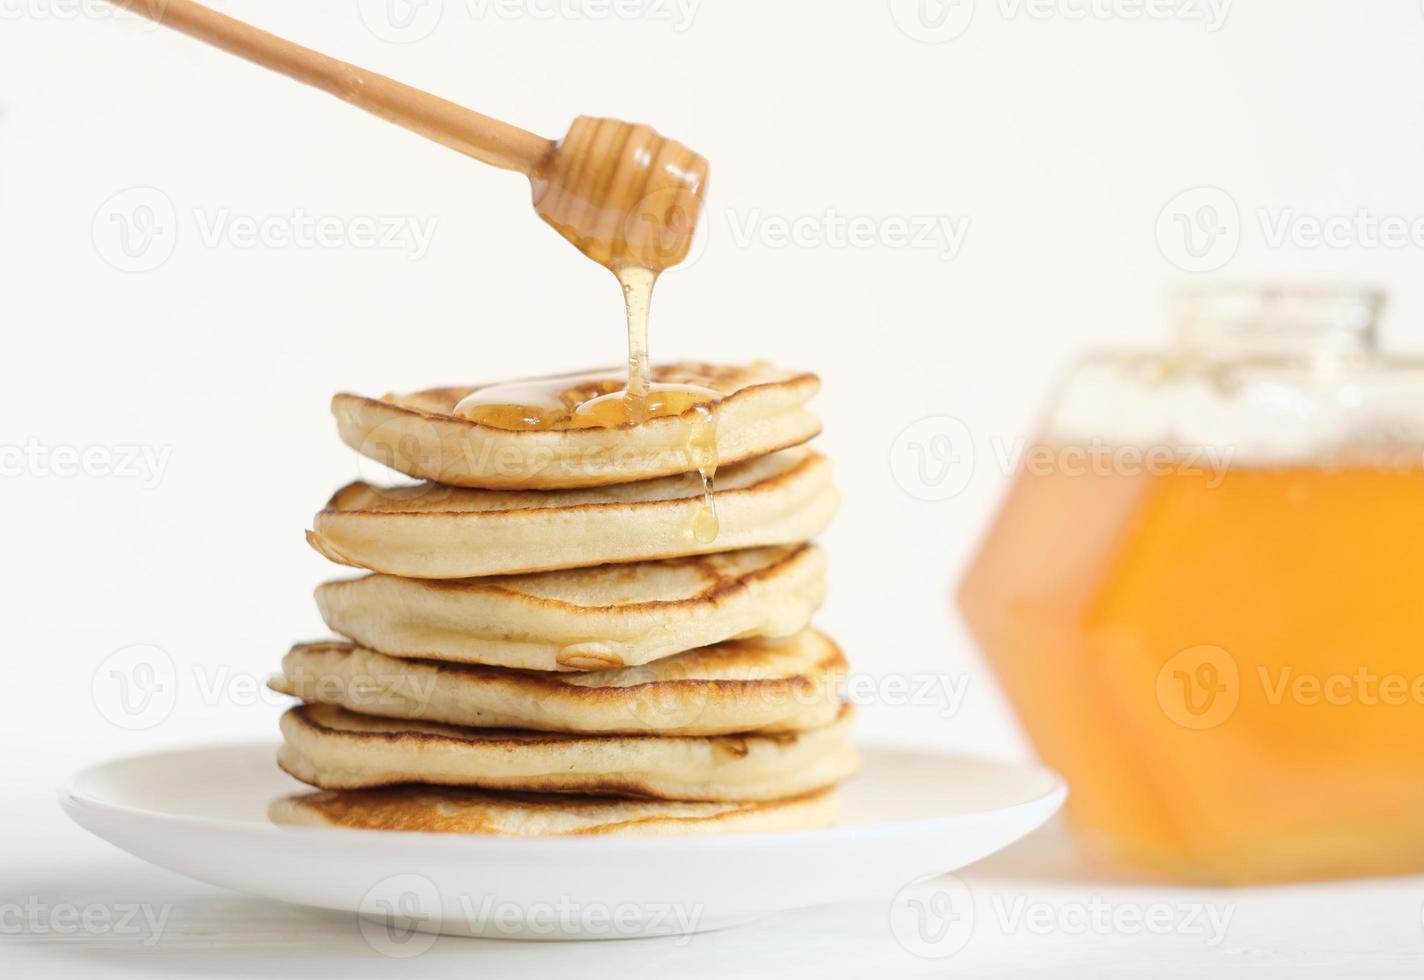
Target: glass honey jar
point(1204, 593)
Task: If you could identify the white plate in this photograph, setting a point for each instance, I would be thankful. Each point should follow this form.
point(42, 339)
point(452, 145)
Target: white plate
point(202, 813)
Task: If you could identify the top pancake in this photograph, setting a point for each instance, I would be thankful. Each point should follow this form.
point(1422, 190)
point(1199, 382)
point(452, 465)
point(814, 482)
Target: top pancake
point(763, 409)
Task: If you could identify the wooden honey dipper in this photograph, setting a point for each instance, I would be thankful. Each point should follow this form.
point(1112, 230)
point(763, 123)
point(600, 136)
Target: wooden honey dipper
point(625, 196)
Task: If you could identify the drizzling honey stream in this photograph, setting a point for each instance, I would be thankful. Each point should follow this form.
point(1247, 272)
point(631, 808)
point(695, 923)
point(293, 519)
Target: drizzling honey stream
point(622, 194)
point(628, 199)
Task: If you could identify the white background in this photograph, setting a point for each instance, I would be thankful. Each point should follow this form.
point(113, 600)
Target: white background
point(1052, 138)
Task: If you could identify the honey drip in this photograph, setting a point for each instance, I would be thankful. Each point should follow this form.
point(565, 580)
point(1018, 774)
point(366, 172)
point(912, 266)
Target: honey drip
point(637, 286)
point(588, 401)
point(628, 199)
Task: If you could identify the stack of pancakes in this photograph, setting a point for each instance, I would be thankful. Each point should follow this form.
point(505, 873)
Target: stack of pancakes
point(543, 645)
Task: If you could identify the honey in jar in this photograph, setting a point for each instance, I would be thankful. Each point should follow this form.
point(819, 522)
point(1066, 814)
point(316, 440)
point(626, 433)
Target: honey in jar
point(1204, 594)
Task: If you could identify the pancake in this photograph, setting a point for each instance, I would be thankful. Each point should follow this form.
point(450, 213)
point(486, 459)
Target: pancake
point(441, 810)
point(585, 618)
point(332, 748)
point(763, 409)
point(737, 686)
point(434, 531)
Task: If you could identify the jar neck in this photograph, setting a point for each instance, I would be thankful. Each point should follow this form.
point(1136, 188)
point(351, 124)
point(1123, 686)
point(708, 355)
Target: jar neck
point(1227, 323)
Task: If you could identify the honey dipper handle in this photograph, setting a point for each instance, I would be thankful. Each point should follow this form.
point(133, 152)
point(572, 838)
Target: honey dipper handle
point(489, 140)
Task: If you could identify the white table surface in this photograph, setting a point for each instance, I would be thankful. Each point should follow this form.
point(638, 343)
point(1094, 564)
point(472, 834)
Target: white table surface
point(1038, 911)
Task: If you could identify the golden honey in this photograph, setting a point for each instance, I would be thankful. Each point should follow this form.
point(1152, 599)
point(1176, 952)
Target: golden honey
point(628, 199)
point(605, 401)
point(1227, 667)
point(1223, 651)
point(591, 401)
